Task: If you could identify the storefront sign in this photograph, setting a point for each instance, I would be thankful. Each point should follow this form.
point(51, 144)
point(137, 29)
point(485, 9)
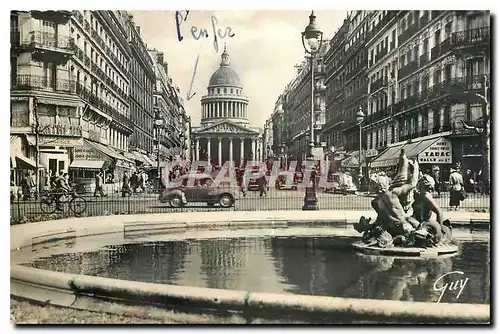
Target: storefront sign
point(87, 153)
point(437, 153)
point(45, 140)
point(371, 153)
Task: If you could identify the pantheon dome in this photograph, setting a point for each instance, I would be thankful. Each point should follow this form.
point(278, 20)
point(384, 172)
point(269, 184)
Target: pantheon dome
point(225, 99)
point(225, 133)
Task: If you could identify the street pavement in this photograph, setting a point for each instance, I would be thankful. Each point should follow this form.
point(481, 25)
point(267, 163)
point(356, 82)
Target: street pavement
point(275, 200)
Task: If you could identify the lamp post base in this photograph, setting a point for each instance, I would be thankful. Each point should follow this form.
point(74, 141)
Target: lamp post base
point(310, 199)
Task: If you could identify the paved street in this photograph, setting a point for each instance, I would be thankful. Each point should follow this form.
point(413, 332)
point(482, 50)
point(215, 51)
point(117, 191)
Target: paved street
point(275, 200)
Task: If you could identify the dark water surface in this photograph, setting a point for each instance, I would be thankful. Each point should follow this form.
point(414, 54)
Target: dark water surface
point(299, 265)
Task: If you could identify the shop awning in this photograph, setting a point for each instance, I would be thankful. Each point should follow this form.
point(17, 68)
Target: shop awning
point(142, 158)
point(433, 150)
point(87, 164)
point(107, 150)
point(388, 158)
point(22, 162)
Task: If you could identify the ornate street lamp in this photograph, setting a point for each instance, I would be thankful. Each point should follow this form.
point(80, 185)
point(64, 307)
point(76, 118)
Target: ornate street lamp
point(158, 126)
point(312, 38)
point(360, 117)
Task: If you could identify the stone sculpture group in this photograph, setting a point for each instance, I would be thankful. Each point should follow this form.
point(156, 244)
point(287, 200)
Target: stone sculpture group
point(404, 209)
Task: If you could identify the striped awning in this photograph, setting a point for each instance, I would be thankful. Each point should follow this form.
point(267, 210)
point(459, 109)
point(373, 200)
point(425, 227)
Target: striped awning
point(87, 164)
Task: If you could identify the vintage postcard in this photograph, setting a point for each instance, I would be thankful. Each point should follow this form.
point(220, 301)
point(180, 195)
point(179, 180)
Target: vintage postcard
point(250, 167)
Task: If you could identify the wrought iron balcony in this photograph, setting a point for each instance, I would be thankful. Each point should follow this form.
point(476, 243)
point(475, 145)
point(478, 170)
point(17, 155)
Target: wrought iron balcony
point(471, 37)
point(377, 84)
point(38, 82)
point(405, 35)
point(441, 49)
point(49, 41)
point(381, 54)
point(99, 103)
point(424, 59)
point(408, 69)
point(79, 53)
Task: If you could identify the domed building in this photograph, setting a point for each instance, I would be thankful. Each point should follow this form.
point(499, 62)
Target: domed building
point(225, 133)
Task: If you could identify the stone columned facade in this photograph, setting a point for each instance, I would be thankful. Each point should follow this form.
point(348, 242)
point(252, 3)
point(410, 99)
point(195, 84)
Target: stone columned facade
point(224, 133)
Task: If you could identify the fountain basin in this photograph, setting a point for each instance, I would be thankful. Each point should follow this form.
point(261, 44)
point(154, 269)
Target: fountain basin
point(94, 293)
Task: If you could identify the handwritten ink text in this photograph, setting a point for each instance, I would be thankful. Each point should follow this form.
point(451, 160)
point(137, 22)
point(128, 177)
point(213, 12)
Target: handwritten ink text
point(199, 32)
point(451, 286)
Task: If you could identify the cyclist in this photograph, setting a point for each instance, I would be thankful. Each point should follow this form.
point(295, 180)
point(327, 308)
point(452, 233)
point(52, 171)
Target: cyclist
point(61, 187)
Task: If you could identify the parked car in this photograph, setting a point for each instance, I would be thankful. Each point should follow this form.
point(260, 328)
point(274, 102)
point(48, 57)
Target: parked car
point(197, 187)
point(281, 183)
point(340, 183)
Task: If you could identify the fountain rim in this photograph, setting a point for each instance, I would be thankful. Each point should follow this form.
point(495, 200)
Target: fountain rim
point(86, 292)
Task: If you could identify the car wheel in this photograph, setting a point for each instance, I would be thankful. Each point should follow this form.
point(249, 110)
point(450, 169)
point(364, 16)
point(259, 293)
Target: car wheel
point(226, 200)
point(176, 201)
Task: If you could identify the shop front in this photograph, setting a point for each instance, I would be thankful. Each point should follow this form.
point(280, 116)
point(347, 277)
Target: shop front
point(92, 158)
point(432, 154)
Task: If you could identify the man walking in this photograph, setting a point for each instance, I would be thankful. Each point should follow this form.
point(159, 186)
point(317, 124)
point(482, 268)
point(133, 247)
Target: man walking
point(98, 185)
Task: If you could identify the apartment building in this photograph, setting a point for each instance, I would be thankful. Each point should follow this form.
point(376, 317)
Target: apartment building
point(334, 95)
point(142, 80)
point(356, 83)
point(443, 62)
point(297, 107)
point(45, 110)
point(277, 128)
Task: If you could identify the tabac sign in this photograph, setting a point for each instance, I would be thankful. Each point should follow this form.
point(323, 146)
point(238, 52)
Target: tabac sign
point(438, 153)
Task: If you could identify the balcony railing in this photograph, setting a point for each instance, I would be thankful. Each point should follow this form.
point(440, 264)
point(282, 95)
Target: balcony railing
point(405, 35)
point(99, 103)
point(61, 130)
point(50, 40)
point(471, 37)
point(441, 49)
point(377, 84)
point(29, 81)
point(87, 61)
point(424, 59)
point(86, 26)
point(381, 54)
point(408, 69)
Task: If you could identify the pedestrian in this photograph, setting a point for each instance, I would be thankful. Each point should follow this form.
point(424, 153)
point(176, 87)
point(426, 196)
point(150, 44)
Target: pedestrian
point(25, 187)
point(126, 185)
point(133, 181)
point(437, 179)
point(243, 184)
point(456, 188)
point(262, 183)
point(99, 185)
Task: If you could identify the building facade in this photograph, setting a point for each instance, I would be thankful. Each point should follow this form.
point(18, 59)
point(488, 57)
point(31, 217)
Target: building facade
point(296, 104)
point(267, 139)
point(334, 94)
point(277, 125)
point(224, 133)
point(142, 80)
point(174, 129)
point(45, 110)
point(442, 63)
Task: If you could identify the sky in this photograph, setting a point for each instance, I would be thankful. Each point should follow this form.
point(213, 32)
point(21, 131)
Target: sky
point(264, 50)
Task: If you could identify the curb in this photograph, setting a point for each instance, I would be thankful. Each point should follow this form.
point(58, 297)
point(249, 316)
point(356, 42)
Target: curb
point(66, 289)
